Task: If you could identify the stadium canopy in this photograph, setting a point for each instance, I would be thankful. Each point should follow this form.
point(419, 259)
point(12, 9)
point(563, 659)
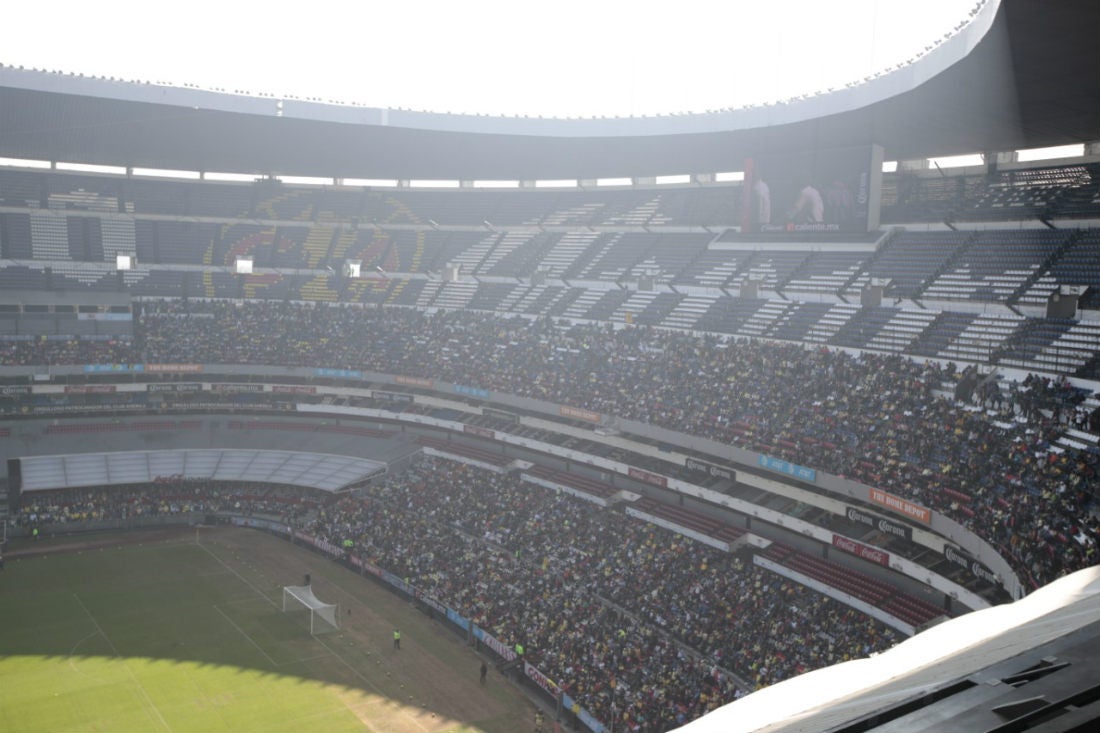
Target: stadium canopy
point(1022, 74)
point(1028, 665)
point(313, 470)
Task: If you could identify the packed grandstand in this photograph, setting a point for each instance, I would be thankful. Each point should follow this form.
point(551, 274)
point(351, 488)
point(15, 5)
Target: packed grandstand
point(1019, 471)
point(671, 454)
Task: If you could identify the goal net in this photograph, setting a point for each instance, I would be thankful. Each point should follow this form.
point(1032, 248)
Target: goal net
point(323, 617)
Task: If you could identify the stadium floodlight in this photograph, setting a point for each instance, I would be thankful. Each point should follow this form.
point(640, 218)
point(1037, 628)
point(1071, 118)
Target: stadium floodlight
point(324, 617)
point(125, 262)
point(243, 266)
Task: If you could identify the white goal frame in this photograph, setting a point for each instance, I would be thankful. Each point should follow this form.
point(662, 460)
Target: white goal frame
point(324, 617)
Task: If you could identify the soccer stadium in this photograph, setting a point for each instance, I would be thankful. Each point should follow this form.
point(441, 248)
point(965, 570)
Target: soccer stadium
point(321, 416)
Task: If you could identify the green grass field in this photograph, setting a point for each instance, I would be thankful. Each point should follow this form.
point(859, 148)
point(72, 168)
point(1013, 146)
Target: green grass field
point(187, 634)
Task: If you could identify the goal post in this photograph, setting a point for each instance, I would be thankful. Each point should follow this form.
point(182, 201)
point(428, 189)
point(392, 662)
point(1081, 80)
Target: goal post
point(323, 617)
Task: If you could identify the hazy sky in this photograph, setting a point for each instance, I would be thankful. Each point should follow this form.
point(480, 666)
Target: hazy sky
point(561, 58)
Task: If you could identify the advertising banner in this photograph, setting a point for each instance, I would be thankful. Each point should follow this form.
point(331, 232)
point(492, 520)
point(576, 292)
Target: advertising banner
point(882, 524)
point(339, 373)
point(965, 560)
point(89, 388)
point(107, 368)
point(583, 715)
point(791, 469)
point(578, 414)
point(901, 506)
point(861, 550)
point(430, 602)
point(293, 389)
point(458, 619)
point(710, 469)
point(185, 368)
point(471, 391)
point(175, 387)
point(414, 381)
point(236, 388)
point(541, 680)
point(501, 649)
point(401, 397)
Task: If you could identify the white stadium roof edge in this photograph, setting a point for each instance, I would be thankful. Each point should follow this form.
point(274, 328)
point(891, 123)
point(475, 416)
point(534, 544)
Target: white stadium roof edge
point(828, 698)
point(314, 470)
point(946, 51)
point(1012, 75)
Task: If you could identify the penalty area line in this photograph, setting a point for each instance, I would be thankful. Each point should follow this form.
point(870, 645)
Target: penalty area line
point(246, 635)
point(240, 577)
point(141, 687)
point(367, 680)
point(303, 660)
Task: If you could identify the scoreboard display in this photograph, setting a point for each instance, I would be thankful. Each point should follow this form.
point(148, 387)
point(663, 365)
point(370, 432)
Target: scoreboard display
point(822, 190)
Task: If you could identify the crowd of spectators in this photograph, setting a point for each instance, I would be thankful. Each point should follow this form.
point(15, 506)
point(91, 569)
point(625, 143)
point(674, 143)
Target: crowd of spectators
point(68, 351)
point(641, 626)
point(877, 419)
point(59, 510)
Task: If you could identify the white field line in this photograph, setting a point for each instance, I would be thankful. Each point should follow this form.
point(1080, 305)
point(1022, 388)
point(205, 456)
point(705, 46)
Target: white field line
point(245, 635)
point(211, 573)
point(72, 653)
point(365, 679)
point(321, 641)
point(141, 687)
point(303, 660)
point(250, 598)
point(240, 577)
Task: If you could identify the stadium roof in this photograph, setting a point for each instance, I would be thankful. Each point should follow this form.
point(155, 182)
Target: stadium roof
point(315, 470)
point(1023, 74)
point(1028, 665)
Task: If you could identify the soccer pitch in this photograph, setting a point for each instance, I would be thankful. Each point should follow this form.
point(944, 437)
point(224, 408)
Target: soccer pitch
point(186, 633)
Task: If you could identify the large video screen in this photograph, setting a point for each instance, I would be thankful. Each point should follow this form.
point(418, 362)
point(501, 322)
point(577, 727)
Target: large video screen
point(826, 190)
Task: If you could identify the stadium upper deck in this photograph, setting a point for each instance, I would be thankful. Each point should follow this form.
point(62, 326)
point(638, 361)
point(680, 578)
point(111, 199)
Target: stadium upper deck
point(976, 288)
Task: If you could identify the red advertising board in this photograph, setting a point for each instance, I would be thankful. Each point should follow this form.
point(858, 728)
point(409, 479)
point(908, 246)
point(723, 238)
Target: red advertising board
point(578, 414)
point(861, 550)
point(901, 506)
point(173, 367)
point(414, 381)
